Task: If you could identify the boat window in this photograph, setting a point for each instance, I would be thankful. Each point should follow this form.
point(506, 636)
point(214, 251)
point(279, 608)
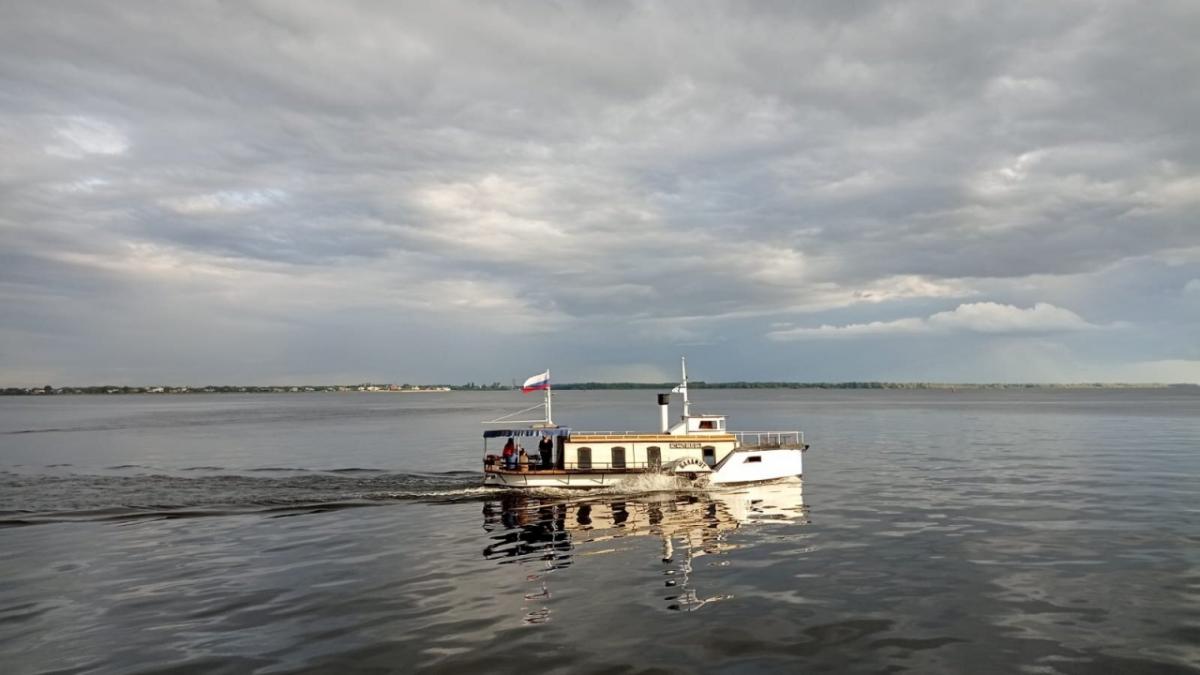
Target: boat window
point(618, 458)
point(710, 455)
point(720, 424)
point(654, 456)
point(584, 458)
point(753, 458)
point(707, 424)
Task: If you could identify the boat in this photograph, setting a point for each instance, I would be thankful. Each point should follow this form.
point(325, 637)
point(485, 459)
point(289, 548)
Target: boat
point(698, 449)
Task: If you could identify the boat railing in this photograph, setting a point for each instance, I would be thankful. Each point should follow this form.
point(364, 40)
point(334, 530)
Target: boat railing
point(627, 435)
point(616, 433)
point(769, 439)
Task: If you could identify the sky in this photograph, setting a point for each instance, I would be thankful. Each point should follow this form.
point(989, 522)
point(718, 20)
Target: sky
point(298, 192)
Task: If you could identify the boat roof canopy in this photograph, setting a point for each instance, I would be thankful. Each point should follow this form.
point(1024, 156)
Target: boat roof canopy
point(553, 431)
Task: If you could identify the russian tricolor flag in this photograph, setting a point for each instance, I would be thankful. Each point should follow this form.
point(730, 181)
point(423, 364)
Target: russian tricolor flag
point(537, 382)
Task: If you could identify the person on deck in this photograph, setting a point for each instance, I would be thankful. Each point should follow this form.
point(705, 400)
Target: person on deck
point(546, 452)
point(523, 460)
point(510, 454)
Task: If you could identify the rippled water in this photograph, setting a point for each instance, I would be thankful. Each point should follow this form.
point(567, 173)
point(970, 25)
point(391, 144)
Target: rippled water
point(1013, 531)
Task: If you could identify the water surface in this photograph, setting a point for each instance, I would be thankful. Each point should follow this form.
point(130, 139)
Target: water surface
point(976, 531)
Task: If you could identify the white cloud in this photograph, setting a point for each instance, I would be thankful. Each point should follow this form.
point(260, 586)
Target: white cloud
point(81, 186)
point(1171, 191)
point(1005, 178)
point(593, 165)
point(991, 317)
point(493, 215)
point(224, 202)
point(900, 326)
point(908, 286)
point(81, 136)
point(975, 317)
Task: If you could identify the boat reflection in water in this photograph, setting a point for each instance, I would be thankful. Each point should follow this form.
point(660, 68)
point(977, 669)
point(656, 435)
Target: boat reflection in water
point(545, 535)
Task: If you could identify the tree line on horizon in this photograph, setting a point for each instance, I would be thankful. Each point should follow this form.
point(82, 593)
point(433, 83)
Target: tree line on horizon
point(579, 386)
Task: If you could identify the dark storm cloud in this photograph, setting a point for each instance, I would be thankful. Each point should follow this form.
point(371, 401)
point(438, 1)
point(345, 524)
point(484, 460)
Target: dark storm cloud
point(649, 175)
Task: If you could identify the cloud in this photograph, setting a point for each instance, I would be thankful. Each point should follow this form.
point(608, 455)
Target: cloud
point(81, 136)
point(83, 185)
point(624, 372)
point(976, 317)
point(908, 286)
point(224, 202)
point(637, 177)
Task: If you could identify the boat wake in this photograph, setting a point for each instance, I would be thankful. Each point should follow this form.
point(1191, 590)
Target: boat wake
point(32, 499)
point(37, 499)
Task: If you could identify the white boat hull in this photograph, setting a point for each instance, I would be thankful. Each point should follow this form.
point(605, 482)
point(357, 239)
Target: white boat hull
point(742, 466)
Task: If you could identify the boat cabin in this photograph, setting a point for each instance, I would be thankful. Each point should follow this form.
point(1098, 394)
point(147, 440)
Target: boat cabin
point(699, 424)
point(701, 440)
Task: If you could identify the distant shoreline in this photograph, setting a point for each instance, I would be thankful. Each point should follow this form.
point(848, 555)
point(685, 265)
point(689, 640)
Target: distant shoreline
point(110, 390)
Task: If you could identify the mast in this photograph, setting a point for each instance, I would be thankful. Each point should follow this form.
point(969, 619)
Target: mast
point(683, 365)
point(549, 420)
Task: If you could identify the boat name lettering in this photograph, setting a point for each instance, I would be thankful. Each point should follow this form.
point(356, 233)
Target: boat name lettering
point(685, 445)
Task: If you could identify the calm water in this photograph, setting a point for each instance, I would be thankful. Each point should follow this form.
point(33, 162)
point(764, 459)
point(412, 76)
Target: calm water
point(1039, 532)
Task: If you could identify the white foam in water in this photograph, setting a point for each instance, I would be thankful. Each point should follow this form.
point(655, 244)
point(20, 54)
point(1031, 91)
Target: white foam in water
point(454, 492)
point(645, 483)
point(650, 482)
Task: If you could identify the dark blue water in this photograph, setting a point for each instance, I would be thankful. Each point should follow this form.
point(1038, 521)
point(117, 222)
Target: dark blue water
point(1004, 531)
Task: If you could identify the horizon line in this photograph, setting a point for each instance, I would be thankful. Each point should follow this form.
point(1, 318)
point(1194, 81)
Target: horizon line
point(497, 386)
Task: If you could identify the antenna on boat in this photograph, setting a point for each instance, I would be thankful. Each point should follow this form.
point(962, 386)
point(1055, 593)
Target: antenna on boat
point(683, 386)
